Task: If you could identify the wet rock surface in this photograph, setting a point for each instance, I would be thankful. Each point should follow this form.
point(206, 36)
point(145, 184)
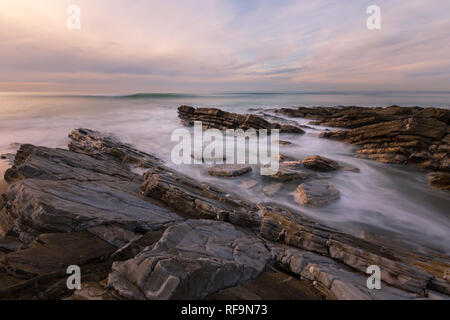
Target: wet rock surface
point(149, 238)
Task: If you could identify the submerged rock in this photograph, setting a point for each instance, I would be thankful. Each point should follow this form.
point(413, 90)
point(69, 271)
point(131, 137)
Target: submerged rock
point(249, 183)
point(192, 260)
point(320, 163)
point(229, 170)
point(272, 189)
point(316, 193)
point(439, 180)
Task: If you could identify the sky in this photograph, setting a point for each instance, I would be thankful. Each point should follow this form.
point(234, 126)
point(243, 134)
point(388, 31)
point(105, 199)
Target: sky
point(223, 45)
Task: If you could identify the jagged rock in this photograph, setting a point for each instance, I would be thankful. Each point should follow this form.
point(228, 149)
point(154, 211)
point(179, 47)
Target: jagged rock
point(271, 189)
point(192, 259)
point(399, 268)
point(61, 191)
point(338, 280)
point(197, 200)
point(229, 170)
point(103, 146)
point(320, 163)
point(439, 180)
point(218, 119)
point(170, 191)
point(414, 136)
point(316, 193)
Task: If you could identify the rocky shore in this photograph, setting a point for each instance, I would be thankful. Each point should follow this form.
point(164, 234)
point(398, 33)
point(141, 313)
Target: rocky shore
point(413, 136)
point(165, 235)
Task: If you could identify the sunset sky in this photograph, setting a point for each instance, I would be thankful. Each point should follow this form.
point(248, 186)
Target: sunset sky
point(223, 45)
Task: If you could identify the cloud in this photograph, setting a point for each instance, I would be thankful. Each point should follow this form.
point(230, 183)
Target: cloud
point(210, 44)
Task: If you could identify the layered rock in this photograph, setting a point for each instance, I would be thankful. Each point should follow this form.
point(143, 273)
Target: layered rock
point(320, 163)
point(414, 136)
point(316, 194)
point(218, 119)
point(192, 259)
point(156, 253)
point(55, 190)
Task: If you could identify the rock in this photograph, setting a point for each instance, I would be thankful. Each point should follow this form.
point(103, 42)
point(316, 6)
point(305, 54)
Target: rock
point(271, 189)
point(270, 286)
point(399, 267)
point(400, 135)
point(320, 163)
point(284, 142)
point(316, 193)
point(339, 281)
point(197, 200)
point(249, 183)
point(92, 291)
point(290, 173)
point(55, 252)
point(350, 168)
point(439, 180)
point(222, 120)
point(57, 190)
point(107, 147)
point(193, 259)
point(114, 234)
point(229, 170)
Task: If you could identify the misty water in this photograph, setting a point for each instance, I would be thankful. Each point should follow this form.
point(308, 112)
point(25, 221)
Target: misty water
point(389, 201)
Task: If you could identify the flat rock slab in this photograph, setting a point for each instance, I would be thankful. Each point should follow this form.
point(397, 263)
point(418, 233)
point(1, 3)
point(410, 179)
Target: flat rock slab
point(191, 260)
point(56, 190)
point(55, 252)
point(320, 163)
point(229, 170)
point(65, 206)
point(270, 286)
point(316, 193)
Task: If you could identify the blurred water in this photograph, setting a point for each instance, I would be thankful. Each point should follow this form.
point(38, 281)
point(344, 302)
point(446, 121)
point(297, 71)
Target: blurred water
point(387, 200)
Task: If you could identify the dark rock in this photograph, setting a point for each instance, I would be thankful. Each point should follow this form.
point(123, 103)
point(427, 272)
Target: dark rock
point(229, 170)
point(218, 119)
point(439, 180)
point(316, 193)
point(192, 259)
point(320, 163)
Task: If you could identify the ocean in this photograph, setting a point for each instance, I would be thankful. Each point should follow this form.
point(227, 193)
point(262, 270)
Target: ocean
point(389, 201)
